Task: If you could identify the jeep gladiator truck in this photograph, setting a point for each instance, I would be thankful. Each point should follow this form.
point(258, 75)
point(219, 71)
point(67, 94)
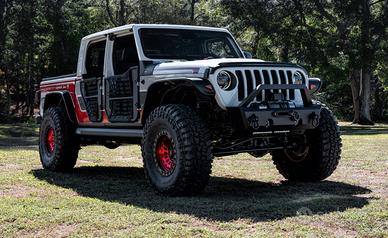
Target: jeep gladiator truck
point(185, 94)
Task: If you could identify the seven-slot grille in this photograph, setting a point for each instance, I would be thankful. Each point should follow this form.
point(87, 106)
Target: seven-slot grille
point(249, 79)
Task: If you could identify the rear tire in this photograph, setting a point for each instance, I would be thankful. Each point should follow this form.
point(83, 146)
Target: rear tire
point(177, 151)
point(58, 144)
point(319, 158)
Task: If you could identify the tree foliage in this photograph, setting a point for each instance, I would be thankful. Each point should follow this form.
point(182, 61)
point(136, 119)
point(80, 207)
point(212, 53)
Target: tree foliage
point(344, 42)
point(341, 41)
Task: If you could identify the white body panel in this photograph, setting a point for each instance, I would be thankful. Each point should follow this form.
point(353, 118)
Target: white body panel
point(173, 69)
point(200, 64)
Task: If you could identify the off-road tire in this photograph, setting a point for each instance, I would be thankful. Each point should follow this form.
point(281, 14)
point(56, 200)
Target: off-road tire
point(63, 156)
point(323, 154)
point(191, 146)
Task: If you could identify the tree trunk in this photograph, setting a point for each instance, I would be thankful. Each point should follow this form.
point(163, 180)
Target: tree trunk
point(3, 33)
point(60, 49)
point(2, 29)
point(122, 13)
point(30, 63)
point(7, 94)
point(362, 93)
point(192, 9)
point(255, 45)
point(378, 107)
point(367, 56)
point(109, 12)
point(30, 87)
point(354, 79)
point(360, 85)
point(283, 54)
point(365, 92)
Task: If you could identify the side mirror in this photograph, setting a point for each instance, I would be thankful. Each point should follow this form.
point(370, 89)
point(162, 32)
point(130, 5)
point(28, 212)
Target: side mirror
point(248, 55)
point(315, 84)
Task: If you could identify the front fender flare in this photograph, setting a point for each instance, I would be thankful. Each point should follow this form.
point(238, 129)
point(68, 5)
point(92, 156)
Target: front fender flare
point(156, 91)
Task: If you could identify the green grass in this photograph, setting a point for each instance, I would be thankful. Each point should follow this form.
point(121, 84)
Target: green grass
point(108, 196)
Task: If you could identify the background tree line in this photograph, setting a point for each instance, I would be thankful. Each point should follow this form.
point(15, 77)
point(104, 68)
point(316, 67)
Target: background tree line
point(345, 42)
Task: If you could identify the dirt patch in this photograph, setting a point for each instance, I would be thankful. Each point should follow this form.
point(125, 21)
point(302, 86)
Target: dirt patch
point(18, 191)
point(376, 181)
point(338, 230)
point(8, 167)
point(58, 231)
point(62, 230)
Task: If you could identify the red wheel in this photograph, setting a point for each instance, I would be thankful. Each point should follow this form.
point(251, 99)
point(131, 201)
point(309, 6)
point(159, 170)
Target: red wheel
point(177, 151)
point(50, 140)
point(165, 155)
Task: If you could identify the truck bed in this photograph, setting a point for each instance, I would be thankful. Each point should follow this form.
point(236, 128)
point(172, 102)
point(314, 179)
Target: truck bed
point(59, 77)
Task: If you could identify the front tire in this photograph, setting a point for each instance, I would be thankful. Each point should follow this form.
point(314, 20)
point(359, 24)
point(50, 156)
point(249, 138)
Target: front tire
point(58, 144)
point(177, 151)
point(319, 158)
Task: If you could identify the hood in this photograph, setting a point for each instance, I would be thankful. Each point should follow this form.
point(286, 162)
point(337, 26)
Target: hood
point(197, 66)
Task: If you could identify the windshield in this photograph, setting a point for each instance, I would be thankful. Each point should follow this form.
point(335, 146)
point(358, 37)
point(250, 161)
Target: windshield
point(187, 44)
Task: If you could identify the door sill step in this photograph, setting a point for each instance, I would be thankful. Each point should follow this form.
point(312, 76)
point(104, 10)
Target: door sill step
point(110, 132)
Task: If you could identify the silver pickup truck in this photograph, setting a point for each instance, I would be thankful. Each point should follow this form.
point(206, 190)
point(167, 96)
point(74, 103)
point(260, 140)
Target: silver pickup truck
point(186, 94)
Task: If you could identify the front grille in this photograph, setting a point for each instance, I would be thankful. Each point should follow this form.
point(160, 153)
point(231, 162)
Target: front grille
point(249, 79)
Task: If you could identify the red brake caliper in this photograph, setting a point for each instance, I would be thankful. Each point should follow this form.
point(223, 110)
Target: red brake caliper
point(164, 154)
point(50, 140)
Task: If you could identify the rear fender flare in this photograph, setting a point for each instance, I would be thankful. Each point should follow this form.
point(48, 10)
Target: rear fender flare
point(60, 99)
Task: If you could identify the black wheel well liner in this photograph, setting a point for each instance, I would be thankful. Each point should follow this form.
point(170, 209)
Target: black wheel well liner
point(61, 99)
point(182, 91)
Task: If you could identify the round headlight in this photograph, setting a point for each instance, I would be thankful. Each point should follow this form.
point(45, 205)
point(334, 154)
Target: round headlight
point(224, 80)
point(297, 78)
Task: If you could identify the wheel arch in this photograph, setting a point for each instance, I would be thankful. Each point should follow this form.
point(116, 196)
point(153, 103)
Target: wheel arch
point(60, 99)
point(181, 91)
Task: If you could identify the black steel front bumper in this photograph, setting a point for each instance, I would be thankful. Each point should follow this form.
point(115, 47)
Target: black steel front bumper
point(277, 115)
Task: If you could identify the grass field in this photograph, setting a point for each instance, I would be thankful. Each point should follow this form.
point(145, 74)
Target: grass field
point(107, 195)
